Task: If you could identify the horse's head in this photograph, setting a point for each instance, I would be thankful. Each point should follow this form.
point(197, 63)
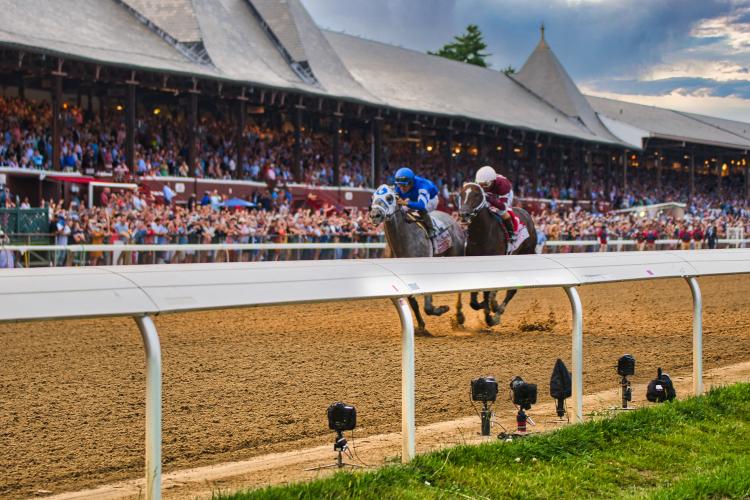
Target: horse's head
point(383, 204)
point(471, 199)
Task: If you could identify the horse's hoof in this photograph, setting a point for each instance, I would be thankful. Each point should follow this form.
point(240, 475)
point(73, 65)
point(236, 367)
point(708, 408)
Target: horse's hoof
point(439, 311)
point(422, 332)
point(460, 318)
point(491, 321)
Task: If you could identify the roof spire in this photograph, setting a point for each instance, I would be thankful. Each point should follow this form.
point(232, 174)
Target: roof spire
point(541, 29)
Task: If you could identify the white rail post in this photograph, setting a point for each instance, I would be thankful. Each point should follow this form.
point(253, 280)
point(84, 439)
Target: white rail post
point(697, 336)
point(153, 406)
point(408, 424)
point(577, 354)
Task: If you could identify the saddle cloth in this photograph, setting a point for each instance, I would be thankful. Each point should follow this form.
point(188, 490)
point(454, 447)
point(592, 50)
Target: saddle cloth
point(521, 234)
point(442, 241)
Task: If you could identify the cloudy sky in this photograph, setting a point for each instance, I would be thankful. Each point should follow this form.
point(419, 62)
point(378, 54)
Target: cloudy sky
point(692, 55)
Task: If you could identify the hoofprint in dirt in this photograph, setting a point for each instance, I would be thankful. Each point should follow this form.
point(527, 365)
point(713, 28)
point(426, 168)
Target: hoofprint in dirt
point(244, 383)
point(378, 450)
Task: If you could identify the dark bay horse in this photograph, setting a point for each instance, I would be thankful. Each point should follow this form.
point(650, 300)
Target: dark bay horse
point(488, 236)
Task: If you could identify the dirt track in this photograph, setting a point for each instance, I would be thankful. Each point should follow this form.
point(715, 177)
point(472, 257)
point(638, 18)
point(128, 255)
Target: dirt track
point(242, 383)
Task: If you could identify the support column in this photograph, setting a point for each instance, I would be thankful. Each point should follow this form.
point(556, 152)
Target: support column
point(658, 171)
point(103, 106)
point(192, 126)
point(746, 161)
point(408, 384)
point(607, 174)
point(697, 336)
point(719, 178)
point(588, 156)
point(577, 353)
point(508, 157)
point(692, 175)
point(625, 161)
point(336, 127)
point(57, 84)
point(130, 109)
point(377, 154)
point(561, 165)
point(21, 86)
point(240, 134)
point(535, 164)
point(297, 150)
point(153, 406)
point(449, 157)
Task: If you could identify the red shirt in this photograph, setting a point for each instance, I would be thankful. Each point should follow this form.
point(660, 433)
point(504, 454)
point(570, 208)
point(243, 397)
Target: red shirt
point(497, 194)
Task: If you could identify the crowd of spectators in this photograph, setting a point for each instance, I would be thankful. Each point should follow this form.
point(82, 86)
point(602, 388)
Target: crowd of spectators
point(90, 144)
point(136, 218)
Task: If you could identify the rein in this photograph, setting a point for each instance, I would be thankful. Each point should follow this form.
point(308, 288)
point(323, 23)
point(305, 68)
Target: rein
point(483, 204)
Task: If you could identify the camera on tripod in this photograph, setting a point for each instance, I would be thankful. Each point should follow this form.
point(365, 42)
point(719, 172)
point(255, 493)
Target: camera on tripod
point(524, 393)
point(625, 369)
point(484, 389)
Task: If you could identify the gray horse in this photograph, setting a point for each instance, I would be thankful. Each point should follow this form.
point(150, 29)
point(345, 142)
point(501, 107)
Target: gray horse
point(407, 239)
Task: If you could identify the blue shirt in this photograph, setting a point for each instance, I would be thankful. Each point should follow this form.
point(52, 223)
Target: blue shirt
point(421, 192)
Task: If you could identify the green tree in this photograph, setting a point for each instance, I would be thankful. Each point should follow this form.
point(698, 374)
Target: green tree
point(509, 70)
point(466, 48)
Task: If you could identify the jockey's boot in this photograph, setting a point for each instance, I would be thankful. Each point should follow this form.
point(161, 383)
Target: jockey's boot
point(427, 221)
point(509, 226)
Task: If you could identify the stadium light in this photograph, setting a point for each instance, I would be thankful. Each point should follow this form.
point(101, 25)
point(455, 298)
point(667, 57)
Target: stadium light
point(157, 111)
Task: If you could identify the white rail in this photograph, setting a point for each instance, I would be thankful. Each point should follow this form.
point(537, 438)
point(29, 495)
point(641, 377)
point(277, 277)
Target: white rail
point(204, 247)
point(147, 290)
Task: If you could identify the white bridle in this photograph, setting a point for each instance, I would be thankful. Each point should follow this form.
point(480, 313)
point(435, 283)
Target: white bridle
point(380, 201)
point(479, 207)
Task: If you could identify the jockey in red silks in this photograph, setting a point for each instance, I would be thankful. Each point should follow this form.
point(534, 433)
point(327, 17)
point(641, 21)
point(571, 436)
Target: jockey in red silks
point(499, 192)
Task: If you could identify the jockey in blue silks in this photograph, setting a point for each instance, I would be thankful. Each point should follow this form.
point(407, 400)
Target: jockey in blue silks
point(417, 193)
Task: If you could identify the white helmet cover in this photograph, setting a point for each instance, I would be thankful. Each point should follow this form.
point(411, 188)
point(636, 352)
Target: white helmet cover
point(485, 175)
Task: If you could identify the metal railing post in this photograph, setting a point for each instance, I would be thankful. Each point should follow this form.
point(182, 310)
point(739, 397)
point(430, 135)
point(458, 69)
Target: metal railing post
point(408, 425)
point(153, 406)
point(697, 336)
point(577, 352)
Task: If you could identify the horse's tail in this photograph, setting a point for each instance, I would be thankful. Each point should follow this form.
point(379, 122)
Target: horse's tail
point(528, 246)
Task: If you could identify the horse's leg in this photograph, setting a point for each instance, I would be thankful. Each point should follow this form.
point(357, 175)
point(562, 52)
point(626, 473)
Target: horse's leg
point(460, 318)
point(421, 330)
point(477, 306)
point(431, 310)
point(500, 309)
point(490, 318)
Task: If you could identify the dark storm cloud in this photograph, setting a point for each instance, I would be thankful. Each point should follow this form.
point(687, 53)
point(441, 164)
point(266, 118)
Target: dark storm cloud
point(635, 47)
point(594, 39)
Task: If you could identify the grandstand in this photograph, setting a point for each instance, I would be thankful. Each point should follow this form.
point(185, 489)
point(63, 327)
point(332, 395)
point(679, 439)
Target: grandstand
point(245, 61)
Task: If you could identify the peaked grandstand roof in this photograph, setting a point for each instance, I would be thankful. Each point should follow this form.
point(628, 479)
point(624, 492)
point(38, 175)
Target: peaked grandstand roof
point(419, 82)
point(175, 17)
point(545, 76)
point(275, 44)
point(668, 124)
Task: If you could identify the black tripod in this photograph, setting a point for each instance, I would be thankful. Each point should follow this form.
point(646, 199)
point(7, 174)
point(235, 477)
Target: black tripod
point(627, 392)
point(341, 446)
point(486, 416)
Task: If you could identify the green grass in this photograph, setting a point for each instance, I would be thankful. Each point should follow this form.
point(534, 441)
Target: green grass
point(696, 448)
